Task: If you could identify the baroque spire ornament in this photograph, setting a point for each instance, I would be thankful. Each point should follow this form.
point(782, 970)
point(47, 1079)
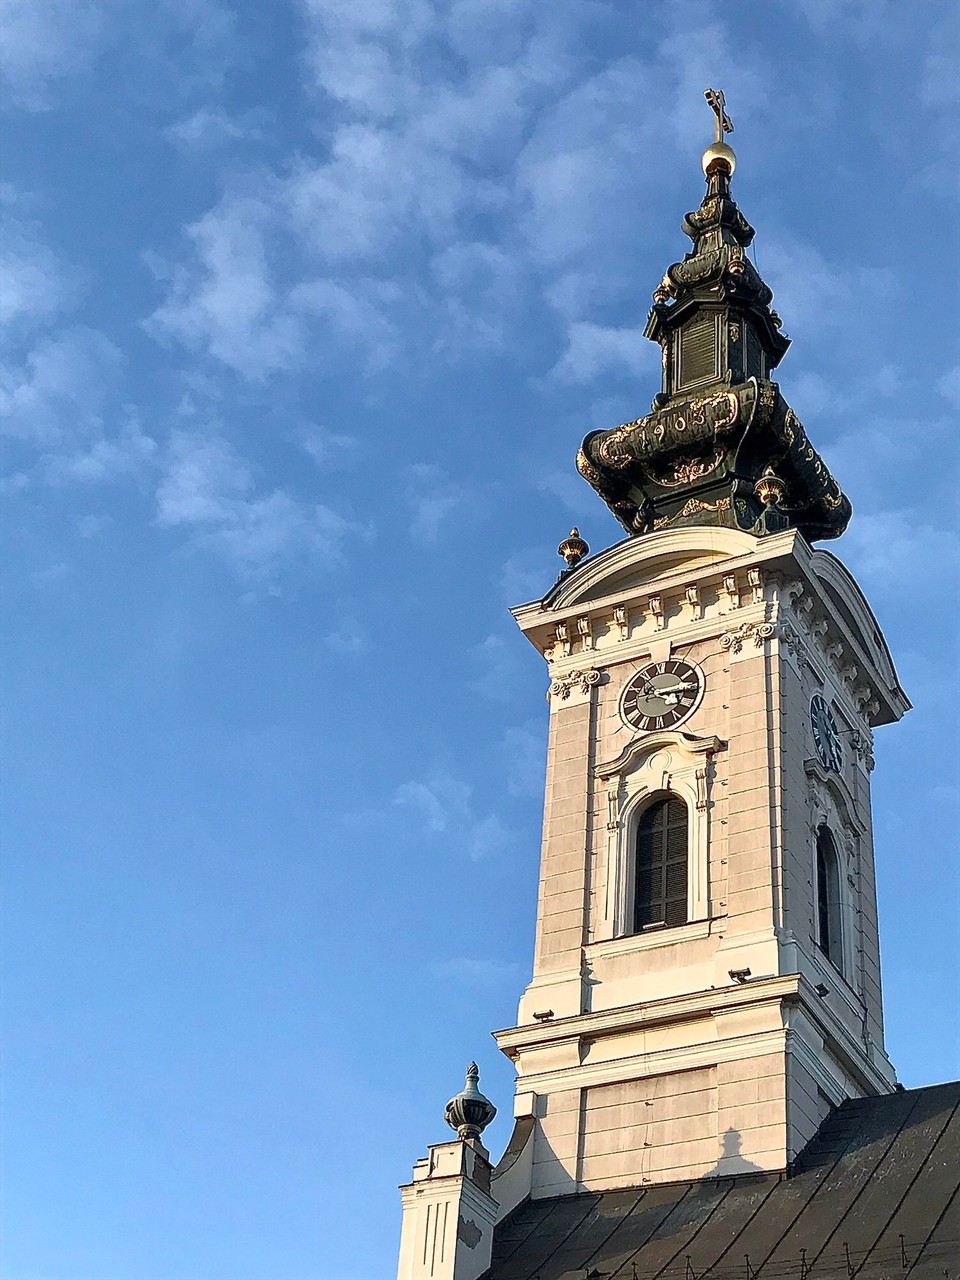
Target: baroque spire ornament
point(719, 153)
point(468, 1111)
point(719, 428)
point(573, 548)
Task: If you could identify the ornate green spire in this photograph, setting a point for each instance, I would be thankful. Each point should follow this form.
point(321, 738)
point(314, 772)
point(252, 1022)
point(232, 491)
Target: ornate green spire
point(721, 445)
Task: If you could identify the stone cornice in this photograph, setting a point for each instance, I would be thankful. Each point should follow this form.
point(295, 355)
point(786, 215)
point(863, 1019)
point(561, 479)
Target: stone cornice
point(699, 1004)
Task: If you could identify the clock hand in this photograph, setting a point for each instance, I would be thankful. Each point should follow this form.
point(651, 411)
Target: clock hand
point(670, 691)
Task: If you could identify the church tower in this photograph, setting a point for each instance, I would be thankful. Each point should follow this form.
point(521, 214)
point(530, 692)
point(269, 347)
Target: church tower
point(706, 977)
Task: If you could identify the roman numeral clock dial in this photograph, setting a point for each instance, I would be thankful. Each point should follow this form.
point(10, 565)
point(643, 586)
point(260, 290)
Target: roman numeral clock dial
point(826, 734)
point(661, 695)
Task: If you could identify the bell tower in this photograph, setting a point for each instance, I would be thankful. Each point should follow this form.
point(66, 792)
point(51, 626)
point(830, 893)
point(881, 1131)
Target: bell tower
point(706, 981)
point(706, 973)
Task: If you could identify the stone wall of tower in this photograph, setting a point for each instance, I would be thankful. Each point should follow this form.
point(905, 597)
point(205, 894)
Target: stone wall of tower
point(719, 1045)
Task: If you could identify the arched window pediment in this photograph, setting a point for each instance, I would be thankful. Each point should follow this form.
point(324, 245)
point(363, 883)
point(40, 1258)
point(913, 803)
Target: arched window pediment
point(637, 751)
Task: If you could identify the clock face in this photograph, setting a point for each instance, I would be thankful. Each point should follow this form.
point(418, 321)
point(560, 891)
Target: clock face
point(661, 694)
point(826, 735)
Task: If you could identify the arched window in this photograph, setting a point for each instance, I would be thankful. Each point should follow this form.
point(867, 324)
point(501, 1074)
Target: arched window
point(829, 935)
point(660, 894)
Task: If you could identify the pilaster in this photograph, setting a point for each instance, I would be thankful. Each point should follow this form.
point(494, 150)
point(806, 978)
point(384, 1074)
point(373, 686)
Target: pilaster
point(448, 1214)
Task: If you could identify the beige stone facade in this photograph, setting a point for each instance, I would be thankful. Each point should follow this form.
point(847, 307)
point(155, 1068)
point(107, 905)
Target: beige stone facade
point(720, 1044)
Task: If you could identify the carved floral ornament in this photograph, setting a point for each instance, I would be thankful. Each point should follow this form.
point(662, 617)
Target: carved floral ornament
point(583, 681)
point(738, 636)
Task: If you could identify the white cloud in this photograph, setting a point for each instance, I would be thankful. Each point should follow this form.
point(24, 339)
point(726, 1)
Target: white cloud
point(227, 301)
point(433, 497)
point(211, 127)
point(440, 120)
point(525, 757)
point(58, 392)
point(35, 283)
point(886, 549)
point(949, 386)
point(347, 639)
point(593, 350)
point(90, 525)
point(207, 489)
point(232, 299)
point(42, 42)
point(572, 490)
point(813, 293)
point(445, 807)
point(354, 314)
point(128, 453)
point(330, 450)
point(528, 575)
point(495, 664)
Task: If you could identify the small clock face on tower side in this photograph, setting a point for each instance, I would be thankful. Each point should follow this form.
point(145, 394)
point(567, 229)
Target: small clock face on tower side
point(826, 735)
point(661, 694)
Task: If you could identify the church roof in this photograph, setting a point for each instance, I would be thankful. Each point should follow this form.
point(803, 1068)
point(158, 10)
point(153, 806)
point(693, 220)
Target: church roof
point(875, 1195)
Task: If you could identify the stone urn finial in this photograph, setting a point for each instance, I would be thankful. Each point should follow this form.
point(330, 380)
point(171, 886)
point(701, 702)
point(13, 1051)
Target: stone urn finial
point(573, 548)
point(469, 1112)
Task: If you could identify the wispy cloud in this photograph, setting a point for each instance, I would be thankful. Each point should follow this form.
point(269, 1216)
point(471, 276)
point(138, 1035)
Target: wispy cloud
point(226, 301)
point(35, 283)
point(528, 575)
point(525, 756)
point(208, 490)
point(211, 127)
point(43, 42)
point(445, 120)
point(495, 667)
point(330, 450)
point(886, 548)
point(348, 638)
point(445, 807)
point(594, 350)
point(433, 498)
point(812, 292)
point(57, 392)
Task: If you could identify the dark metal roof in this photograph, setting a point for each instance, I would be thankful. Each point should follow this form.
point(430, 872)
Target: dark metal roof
point(875, 1196)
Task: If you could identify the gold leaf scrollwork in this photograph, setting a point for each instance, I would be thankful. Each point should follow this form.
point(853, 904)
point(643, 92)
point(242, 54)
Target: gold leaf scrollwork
point(690, 469)
point(693, 507)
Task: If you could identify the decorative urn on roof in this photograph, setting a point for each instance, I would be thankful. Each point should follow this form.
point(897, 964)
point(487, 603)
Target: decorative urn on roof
point(721, 445)
point(469, 1112)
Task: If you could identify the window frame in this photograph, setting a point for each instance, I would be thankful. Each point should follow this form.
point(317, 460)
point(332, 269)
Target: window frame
point(661, 801)
point(664, 761)
point(828, 898)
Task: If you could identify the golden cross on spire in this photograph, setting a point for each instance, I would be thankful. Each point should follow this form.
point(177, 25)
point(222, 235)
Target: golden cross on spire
point(718, 105)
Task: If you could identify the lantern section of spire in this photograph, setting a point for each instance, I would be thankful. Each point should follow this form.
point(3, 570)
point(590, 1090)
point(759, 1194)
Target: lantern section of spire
point(721, 445)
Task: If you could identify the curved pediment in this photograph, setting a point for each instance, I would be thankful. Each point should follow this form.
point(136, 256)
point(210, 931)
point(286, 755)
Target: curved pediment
point(839, 792)
point(851, 603)
point(645, 745)
point(637, 563)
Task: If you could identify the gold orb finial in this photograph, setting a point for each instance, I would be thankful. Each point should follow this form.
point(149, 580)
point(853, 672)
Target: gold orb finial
point(719, 155)
point(573, 548)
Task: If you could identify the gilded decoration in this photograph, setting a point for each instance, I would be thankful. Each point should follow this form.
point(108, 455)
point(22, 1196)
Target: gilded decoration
point(733, 453)
point(693, 508)
point(689, 469)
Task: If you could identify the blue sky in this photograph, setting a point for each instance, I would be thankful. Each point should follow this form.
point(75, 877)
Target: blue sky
point(308, 306)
